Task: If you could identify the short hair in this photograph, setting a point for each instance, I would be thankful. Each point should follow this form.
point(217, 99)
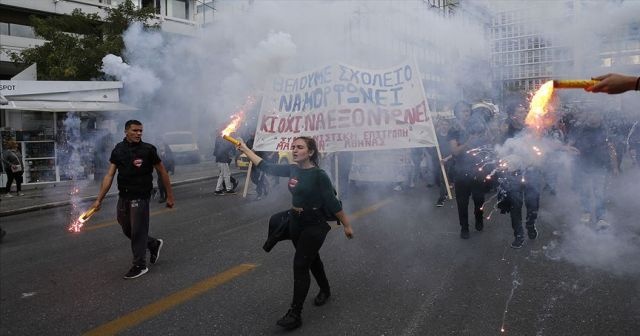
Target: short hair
point(131, 122)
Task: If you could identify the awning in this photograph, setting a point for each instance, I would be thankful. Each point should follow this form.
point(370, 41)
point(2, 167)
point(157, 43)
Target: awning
point(65, 106)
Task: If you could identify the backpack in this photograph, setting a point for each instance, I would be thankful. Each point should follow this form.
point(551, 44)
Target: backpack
point(328, 215)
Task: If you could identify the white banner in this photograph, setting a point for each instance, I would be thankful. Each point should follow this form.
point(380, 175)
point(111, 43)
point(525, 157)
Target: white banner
point(346, 109)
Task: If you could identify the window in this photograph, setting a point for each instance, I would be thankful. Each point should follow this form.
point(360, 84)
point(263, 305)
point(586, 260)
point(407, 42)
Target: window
point(178, 9)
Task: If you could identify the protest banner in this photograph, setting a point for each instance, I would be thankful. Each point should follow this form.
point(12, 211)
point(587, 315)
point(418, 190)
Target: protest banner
point(346, 109)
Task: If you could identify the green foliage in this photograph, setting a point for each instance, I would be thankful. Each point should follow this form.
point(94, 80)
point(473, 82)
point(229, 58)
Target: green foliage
point(77, 43)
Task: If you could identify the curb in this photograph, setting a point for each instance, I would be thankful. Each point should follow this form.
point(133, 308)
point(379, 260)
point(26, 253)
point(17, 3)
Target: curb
point(92, 198)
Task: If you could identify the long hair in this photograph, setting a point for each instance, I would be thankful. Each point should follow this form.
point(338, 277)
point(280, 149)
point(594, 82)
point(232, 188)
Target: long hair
point(312, 146)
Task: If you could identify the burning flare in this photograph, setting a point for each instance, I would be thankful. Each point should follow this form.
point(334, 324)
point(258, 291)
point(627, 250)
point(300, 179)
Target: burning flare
point(77, 225)
point(538, 108)
point(235, 121)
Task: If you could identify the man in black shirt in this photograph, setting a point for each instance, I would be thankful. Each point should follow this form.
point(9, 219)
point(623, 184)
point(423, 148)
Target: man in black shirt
point(135, 160)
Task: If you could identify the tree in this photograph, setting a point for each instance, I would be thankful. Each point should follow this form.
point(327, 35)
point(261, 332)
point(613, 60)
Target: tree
point(77, 43)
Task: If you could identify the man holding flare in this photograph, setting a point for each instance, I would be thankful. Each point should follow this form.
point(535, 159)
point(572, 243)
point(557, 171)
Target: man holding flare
point(135, 160)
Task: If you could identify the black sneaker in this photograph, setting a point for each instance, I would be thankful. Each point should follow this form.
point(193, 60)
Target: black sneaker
point(290, 320)
point(532, 232)
point(518, 242)
point(218, 193)
point(136, 271)
point(230, 192)
point(464, 234)
point(440, 202)
point(322, 298)
point(155, 251)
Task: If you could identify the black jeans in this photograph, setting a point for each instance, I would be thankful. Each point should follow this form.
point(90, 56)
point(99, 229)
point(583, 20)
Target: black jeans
point(308, 232)
point(528, 194)
point(11, 176)
point(466, 187)
point(133, 217)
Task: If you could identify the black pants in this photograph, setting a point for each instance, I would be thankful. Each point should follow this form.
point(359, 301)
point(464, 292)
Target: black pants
point(133, 217)
point(11, 176)
point(520, 193)
point(260, 180)
point(466, 187)
point(307, 233)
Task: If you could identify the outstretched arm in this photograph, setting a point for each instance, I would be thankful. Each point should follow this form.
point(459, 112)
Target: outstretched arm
point(615, 83)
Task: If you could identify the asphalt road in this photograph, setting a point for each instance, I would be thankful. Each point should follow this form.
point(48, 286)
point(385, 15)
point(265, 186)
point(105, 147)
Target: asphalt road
point(406, 272)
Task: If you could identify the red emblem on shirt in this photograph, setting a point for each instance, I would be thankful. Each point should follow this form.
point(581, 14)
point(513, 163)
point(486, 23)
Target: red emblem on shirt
point(293, 182)
point(137, 163)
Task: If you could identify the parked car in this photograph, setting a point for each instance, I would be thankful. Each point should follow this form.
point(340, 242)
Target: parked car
point(183, 145)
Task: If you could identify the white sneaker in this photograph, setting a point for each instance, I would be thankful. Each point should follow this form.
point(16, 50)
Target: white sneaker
point(20, 194)
point(398, 188)
point(602, 225)
point(586, 217)
point(8, 195)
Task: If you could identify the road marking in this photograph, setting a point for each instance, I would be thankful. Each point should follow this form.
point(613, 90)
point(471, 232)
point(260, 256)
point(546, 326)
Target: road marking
point(156, 308)
point(114, 222)
point(365, 211)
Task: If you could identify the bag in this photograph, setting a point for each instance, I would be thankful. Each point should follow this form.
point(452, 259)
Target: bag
point(16, 168)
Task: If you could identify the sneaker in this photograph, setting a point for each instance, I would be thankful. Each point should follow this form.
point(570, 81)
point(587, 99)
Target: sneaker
point(8, 195)
point(586, 217)
point(397, 188)
point(230, 192)
point(155, 252)
point(518, 242)
point(322, 298)
point(412, 185)
point(532, 232)
point(464, 234)
point(218, 193)
point(136, 271)
point(602, 225)
point(440, 202)
point(479, 226)
point(19, 194)
point(290, 320)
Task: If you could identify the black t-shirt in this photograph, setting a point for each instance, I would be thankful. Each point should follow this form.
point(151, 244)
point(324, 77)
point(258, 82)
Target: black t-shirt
point(135, 163)
point(593, 145)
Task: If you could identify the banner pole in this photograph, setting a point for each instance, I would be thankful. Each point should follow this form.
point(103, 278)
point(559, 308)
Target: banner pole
point(246, 180)
point(337, 175)
point(443, 170)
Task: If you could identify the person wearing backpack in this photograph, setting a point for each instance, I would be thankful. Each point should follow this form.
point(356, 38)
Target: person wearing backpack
point(307, 227)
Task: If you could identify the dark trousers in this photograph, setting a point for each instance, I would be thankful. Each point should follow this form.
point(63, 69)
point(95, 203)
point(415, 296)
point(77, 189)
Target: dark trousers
point(520, 193)
point(307, 234)
point(466, 187)
point(11, 176)
point(133, 217)
point(260, 180)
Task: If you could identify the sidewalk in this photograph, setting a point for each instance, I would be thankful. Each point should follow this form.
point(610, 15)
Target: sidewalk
point(50, 195)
